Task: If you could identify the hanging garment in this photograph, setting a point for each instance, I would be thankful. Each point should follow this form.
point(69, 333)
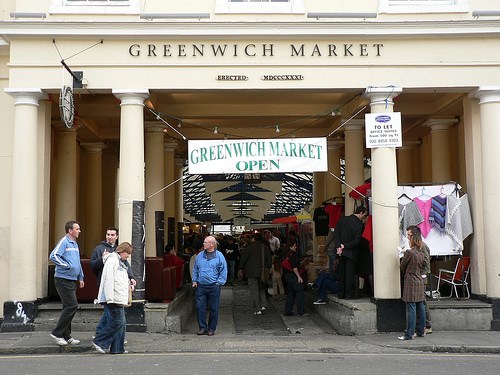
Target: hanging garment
point(437, 215)
point(424, 208)
point(321, 220)
point(409, 214)
point(334, 212)
point(458, 219)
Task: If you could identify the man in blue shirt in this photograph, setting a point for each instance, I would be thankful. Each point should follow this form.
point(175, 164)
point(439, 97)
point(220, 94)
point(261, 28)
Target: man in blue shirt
point(209, 274)
point(67, 278)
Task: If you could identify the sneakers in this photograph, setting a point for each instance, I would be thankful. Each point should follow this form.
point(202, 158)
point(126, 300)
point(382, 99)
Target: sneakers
point(258, 313)
point(59, 340)
point(319, 302)
point(405, 338)
point(98, 348)
point(303, 315)
point(263, 308)
point(428, 331)
point(72, 341)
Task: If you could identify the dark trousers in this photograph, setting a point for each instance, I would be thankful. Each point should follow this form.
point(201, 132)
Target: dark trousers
point(207, 295)
point(325, 283)
point(347, 272)
point(295, 291)
point(67, 291)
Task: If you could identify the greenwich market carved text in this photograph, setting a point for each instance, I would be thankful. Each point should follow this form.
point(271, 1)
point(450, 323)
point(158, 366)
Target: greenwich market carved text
point(256, 50)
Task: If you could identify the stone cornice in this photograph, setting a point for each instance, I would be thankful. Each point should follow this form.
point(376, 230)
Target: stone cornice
point(272, 29)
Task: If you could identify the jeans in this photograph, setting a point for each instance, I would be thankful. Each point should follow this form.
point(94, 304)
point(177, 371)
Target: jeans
point(102, 322)
point(295, 291)
point(112, 334)
point(325, 283)
point(207, 295)
point(412, 308)
point(67, 291)
point(257, 292)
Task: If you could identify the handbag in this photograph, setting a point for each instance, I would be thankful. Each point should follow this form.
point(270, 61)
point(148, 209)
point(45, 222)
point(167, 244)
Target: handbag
point(264, 273)
point(129, 302)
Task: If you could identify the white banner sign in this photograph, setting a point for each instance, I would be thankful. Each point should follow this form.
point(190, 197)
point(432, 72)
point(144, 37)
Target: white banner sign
point(258, 155)
point(383, 130)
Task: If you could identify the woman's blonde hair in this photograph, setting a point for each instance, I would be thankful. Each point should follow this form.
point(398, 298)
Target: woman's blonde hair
point(124, 247)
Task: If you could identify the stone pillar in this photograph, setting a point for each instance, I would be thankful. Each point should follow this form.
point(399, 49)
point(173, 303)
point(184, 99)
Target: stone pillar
point(333, 185)
point(179, 200)
point(489, 107)
point(440, 144)
point(473, 163)
point(385, 222)
point(406, 162)
point(131, 179)
point(155, 181)
point(354, 163)
point(65, 189)
point(170, 192)
point(94, 232)
point(19, 312)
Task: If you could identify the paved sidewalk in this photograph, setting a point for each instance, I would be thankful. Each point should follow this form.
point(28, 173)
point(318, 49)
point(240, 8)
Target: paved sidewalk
point(455, 342)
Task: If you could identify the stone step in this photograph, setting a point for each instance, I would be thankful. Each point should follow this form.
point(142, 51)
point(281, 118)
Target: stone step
point(86, 318)
point(358, 317)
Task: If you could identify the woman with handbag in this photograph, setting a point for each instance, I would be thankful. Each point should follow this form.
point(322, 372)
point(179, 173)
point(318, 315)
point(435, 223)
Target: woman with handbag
point(114, 295)
point(294, 282)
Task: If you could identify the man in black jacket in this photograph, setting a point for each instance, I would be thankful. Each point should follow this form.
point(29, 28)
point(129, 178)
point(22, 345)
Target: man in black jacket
point(347, 236)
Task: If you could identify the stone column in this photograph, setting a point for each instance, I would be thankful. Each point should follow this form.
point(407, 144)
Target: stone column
point(170, 192)
point(473, 162)
point(155, 181)
point(333, 185)
point(94, 232)
point(131, 179)
point(24, 226)
point(65, 189)
point(179, 199)
point(440, 144)
point(354, 163)
point(489, 107)
point(385, 221)
point(406, 161)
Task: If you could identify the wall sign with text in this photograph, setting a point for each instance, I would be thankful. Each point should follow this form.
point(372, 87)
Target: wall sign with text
point(383, 130)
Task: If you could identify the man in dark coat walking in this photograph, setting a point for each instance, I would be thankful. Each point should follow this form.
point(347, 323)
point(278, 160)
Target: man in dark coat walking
point(256, 256)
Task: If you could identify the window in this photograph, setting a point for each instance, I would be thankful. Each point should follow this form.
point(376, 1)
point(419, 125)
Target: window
point(423, 6)
point(94, 6)
point(259, 6)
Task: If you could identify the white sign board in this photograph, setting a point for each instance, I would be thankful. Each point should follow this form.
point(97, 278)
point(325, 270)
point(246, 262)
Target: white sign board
point(258, 155)
point(383, 130)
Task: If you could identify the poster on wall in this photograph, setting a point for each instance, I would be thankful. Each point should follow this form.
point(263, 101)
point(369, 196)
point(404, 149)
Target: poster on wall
point(383, 130)
point(257, 155)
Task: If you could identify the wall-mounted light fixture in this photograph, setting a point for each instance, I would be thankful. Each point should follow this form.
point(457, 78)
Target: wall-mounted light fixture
point(277, 128)
point(155, 16)
point(341, 15)
point(216, 130)
point(18, 15)
point(485, 13)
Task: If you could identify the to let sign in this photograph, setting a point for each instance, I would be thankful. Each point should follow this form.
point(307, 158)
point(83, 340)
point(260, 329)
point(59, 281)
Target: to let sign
point(383, 130)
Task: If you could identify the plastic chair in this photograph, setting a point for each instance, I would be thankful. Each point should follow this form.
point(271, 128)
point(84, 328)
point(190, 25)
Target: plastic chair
point(455, 278)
